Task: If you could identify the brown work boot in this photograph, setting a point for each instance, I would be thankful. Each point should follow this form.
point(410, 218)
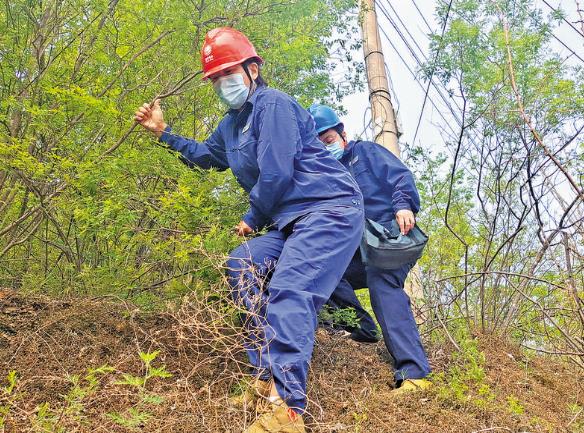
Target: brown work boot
point(279, 419)
point(252, 392)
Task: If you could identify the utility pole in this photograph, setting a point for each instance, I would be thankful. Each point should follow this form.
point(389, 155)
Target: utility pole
point(385, 128)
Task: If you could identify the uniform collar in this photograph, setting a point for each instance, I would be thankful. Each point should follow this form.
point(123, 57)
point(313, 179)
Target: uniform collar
point(348, 150)
point(254, 96)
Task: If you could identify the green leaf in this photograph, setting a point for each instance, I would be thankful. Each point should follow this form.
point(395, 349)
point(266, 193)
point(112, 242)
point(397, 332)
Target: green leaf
point(148, 357)
point(128, 379)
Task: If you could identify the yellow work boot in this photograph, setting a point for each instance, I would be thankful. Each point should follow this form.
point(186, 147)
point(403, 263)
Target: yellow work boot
point(412, 385)
point(253, 391)
point(278, 419)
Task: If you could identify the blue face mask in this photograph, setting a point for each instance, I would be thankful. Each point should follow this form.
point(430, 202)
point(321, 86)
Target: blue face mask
point(231, 90)
point(336, 149)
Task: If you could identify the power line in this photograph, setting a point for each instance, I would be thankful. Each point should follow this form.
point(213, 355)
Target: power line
point(446, 100)
point(563, 19)
point(433, 70)
point(424, 57)
point(422, 15)
point(567, 47)
point(447, 121)
point(438, 89)
point(419, 63)
point(405, 28)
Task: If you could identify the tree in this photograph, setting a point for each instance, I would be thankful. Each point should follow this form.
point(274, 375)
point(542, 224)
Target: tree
point(519, 148)
point(89, 204)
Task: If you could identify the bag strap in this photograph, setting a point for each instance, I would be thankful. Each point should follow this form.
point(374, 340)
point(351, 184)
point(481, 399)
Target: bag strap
point(378, 230)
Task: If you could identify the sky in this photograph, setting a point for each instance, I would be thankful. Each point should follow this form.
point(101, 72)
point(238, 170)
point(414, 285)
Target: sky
point(408, 95)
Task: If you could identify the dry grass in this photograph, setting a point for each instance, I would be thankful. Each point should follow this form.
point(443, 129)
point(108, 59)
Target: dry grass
point(47, 341)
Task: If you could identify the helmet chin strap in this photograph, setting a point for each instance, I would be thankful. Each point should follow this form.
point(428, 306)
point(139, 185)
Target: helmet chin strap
point(253, 85)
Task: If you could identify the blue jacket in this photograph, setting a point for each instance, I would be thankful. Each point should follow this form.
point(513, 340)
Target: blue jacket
point(386, 183)
point(274, 152)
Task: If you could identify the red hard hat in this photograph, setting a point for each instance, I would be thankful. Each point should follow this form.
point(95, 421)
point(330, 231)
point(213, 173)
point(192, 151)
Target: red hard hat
point(225, 47)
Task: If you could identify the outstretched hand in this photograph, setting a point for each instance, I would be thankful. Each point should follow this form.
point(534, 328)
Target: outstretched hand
point(151, 118)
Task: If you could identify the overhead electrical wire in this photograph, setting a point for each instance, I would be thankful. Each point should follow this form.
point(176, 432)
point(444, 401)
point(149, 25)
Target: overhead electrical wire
point(422, 15)
point(405, 27)
point(419, 62)
point(439, 89)
point(448, 101)
point(563, 19)
point(416, 79)
point(567, 47)
point(433, 70)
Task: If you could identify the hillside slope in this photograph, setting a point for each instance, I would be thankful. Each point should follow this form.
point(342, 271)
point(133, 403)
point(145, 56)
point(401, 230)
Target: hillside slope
point(52, 344)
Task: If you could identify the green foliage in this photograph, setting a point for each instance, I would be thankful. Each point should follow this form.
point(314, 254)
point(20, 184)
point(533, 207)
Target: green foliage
point(492, 201)
point(344, 317)
point(54, 419)
point(47, 420)
point(515, 406)
point(150, 372)
point(81, 389)
point(8, 397)
point(360, 418)
point(137, 415)
point(136, 223)
point(464, 382)
point(11, 378)
point(132, 419)
point(575, 410)
point(74, 408)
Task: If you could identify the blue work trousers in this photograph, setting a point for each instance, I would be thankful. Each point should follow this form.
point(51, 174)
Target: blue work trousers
point(393, 311)
point(306, 261)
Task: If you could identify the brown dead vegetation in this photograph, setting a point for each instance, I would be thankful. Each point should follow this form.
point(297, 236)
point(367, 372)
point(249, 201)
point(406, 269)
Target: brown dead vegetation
point(48, 341)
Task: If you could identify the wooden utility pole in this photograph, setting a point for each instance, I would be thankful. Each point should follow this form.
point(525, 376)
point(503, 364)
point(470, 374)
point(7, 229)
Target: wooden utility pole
point(383, 120)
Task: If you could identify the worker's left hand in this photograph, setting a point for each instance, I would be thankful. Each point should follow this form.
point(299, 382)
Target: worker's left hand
point(405, 220)
point(242, 229)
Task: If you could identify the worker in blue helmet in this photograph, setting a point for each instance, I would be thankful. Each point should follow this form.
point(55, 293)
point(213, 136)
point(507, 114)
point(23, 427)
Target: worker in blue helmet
point(389, 193)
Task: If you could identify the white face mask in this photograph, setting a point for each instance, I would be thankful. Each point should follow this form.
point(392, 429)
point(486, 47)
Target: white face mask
point(232, 90)
point(336, 149)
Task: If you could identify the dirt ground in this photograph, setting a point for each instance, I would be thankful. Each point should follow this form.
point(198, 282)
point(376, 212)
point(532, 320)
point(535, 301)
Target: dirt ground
point(52, 344)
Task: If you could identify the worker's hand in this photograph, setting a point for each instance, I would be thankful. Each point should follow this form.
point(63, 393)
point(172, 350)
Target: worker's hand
point(242, 229)
point(150, 117)
point(405, 220)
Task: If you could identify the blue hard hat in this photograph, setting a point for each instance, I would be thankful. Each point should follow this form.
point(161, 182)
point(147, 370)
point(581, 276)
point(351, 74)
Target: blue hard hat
point(324, 117)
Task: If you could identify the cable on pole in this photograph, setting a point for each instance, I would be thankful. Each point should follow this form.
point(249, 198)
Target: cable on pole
point(372, 52)
point(447, 122)
point(419, 63)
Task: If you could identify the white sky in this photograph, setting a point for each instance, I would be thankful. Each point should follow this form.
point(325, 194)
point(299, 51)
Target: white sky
point(407, 94)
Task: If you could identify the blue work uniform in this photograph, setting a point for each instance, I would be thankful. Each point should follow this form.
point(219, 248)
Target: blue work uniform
point(272, 148)
point(387, 186)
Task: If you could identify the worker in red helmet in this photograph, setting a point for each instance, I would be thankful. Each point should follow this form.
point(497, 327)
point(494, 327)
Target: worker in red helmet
point(295, 186)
